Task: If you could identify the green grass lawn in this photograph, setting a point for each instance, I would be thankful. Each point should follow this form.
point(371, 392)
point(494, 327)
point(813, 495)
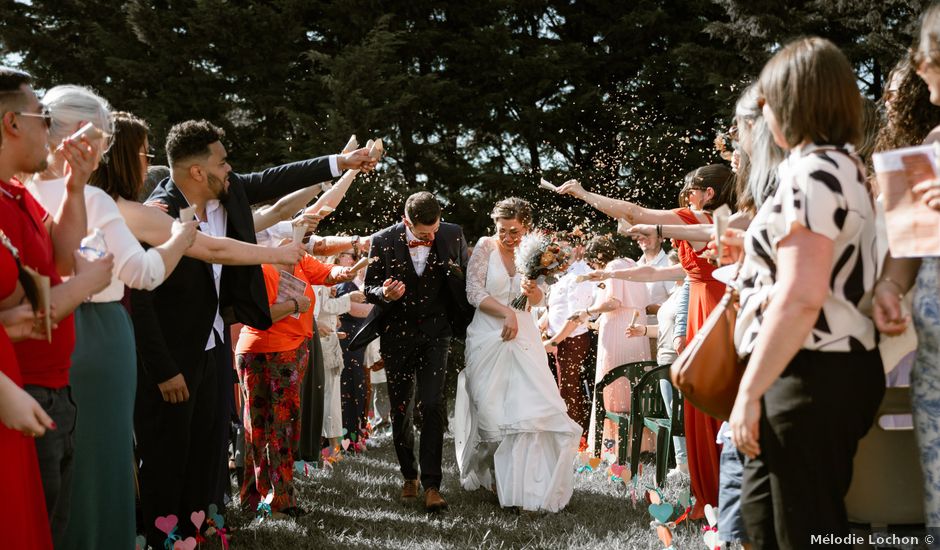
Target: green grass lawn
point(355, 505)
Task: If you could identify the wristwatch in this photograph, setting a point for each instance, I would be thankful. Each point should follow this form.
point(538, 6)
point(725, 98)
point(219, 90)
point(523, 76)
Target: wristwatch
point(354, 243)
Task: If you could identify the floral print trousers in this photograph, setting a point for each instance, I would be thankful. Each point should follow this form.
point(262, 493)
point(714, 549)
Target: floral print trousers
point(270, 386)
point(925, 385)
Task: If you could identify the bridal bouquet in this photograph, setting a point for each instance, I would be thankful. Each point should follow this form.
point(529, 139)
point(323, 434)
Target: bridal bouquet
point(539, 258)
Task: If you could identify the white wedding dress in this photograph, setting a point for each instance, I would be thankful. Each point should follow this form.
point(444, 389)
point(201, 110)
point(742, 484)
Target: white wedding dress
point(511, 425)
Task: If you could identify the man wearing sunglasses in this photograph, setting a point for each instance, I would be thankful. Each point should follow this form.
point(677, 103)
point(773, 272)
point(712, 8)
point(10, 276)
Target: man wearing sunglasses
point(47, 244)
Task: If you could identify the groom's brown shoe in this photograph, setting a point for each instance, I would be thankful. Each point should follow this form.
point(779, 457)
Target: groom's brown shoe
point(433, 501)
point(409, 491)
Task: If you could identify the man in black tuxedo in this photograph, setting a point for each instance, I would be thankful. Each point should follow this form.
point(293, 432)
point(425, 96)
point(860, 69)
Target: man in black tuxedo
point(183, 361)
point(417, 282)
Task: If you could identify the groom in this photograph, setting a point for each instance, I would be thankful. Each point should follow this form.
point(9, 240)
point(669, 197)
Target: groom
point(417, 283)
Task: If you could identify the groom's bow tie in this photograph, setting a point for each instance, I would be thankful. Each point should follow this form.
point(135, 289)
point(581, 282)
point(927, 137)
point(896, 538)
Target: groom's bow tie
point(416, 244)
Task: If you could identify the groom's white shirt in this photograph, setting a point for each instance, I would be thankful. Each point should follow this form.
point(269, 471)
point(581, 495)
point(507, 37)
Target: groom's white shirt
point(419, 254)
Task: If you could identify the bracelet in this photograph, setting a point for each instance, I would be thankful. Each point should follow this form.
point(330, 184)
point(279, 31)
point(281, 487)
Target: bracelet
point(296, 305)
point(646, 330)
point(354, 244)
point(659, 231)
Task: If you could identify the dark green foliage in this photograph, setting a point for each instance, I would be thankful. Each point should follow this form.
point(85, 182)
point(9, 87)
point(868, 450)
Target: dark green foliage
point(475, 100)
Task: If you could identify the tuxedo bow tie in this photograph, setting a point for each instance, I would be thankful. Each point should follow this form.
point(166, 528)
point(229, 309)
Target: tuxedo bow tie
point(416, 244)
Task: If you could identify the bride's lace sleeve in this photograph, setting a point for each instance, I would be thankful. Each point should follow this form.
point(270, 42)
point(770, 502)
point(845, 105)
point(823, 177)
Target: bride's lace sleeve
point(476, 271)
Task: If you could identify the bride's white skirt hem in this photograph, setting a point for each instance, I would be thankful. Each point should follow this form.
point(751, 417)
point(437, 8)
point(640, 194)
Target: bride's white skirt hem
point(530, 461)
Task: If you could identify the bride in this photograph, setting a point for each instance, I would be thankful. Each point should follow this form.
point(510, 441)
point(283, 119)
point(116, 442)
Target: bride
point(512, 430)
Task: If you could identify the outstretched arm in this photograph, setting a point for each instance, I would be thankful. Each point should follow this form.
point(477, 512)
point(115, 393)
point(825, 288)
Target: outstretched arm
point(641, 274)
point(615, 208)
point(153, 227)
point(285, 207)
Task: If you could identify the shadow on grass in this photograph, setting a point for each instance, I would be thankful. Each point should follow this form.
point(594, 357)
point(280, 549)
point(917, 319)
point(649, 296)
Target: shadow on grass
point(355, 505)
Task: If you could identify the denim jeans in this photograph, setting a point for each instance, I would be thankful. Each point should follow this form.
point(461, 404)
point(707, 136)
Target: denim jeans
point(55, 452)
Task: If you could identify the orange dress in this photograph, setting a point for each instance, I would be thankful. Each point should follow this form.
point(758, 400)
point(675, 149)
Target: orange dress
point(701, 430)
point(23, 518)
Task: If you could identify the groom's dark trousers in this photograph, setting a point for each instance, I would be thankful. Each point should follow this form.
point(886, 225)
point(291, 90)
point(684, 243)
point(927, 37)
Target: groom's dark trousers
point(416, 331)
point(416, 369)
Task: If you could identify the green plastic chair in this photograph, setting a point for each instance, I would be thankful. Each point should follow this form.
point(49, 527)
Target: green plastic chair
point(632, 372)
point(648, 410)
point(666, 430)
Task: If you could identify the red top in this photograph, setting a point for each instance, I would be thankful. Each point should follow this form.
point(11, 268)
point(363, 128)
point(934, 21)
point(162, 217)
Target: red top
point(697, 268)
point(288, 333)
point(21, 218)
point(8, 275)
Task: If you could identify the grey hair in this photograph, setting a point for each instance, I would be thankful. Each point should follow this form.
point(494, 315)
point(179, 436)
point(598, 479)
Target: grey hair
point(69, 105)
point(765, 155)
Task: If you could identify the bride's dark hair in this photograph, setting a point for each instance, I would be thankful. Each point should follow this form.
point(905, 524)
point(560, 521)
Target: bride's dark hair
point(513, 208)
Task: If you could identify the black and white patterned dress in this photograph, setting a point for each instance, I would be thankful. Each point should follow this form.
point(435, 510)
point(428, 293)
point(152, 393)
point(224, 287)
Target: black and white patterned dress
point(822, 188)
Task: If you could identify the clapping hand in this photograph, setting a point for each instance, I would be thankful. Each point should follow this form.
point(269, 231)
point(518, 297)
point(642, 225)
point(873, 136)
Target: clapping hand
point(393, 290)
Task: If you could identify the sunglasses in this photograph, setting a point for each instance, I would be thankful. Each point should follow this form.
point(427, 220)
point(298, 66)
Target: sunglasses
point(44, 114)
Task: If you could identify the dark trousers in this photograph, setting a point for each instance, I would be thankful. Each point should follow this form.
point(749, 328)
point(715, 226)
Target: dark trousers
point(179, 447)
point(572, 352)
point(588, 370)
point(311, 403)
point(417, 372)
point(812, 418)
point(353, 393)
point(55, 451)
point(226, 422)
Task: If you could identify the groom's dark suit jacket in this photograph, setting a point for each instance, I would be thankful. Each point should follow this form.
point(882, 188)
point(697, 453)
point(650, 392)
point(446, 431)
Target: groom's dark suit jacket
point(173, 322)
point(434, 304)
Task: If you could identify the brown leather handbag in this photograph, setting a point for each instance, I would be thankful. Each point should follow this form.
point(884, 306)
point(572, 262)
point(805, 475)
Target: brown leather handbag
point(708, 372)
